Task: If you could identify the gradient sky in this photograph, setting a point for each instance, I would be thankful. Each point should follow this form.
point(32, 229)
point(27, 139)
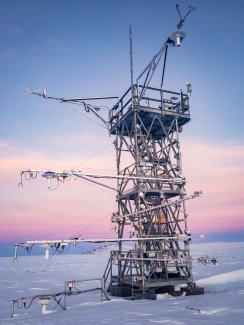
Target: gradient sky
point(81, 48)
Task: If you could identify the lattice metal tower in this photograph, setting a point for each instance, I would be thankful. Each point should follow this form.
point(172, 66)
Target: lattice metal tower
point(146, 123)
point(148, 148)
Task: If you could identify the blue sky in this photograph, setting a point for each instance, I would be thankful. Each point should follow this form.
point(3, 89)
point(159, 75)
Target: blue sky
point(74, 48)
point(81, 48)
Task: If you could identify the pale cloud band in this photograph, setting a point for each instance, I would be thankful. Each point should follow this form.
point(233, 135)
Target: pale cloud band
point(215, 168)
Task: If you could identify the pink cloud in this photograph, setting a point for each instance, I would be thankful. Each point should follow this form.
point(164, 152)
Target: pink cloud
point(36, 212)
point(217, 169)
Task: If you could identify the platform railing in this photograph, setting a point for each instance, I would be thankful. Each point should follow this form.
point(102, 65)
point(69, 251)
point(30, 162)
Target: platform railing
point(155, 98)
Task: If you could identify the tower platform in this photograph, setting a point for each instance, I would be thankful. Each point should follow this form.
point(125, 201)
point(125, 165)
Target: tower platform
point(153, 112)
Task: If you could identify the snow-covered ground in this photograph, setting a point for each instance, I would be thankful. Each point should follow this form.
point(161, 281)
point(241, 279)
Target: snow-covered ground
point(223, 302)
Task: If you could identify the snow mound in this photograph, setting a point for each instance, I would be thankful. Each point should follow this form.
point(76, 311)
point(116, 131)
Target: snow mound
point(223, 282)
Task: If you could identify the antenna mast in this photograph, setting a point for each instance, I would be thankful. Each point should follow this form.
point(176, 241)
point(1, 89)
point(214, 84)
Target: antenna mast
point(131, 65)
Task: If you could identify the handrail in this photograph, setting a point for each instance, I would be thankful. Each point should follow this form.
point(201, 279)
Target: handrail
point(180, 102)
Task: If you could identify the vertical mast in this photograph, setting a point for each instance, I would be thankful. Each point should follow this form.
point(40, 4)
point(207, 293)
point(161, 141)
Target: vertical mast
point(131, 66)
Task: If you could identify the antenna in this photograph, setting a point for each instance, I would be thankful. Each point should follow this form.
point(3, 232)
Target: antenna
point(174, 39)
point(182, 20)
point(131, 65)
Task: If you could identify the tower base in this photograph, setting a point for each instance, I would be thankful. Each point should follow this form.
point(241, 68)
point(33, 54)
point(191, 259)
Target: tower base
point(129, 292)
point(191, 291)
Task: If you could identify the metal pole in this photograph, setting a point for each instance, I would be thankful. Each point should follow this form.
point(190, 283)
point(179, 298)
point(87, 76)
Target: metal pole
point(162, 81)
point(131, 67)
point(12, 308)
point(16, 247)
